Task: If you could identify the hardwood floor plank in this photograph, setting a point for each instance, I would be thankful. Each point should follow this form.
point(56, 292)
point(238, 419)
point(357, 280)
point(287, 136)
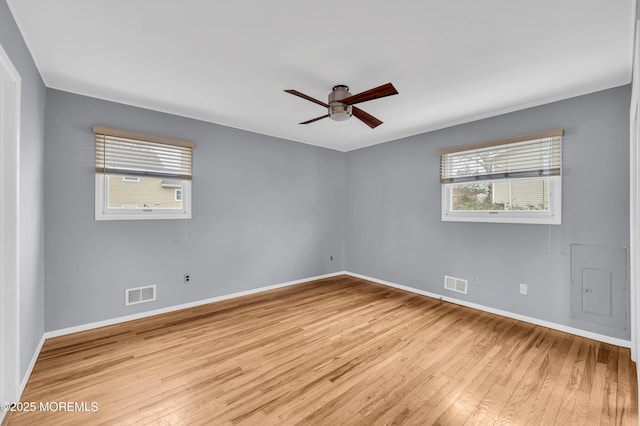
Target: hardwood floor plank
point(523, 395)
point(556, 398)
point(555, 361)
point(336, 351)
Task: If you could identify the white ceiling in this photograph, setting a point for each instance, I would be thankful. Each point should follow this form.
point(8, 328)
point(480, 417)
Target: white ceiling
point(228, 62)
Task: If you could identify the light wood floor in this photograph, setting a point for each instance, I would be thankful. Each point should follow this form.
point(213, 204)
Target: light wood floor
point(338, 351)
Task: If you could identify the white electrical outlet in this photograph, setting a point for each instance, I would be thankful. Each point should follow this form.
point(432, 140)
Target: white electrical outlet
point(524, 289)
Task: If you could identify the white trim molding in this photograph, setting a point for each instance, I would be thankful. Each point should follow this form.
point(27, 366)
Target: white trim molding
point(32, 364)
point(112, 321)
point(578, 332)
point(10, 104)
point(98, 324)
point(634, 195)
point(27, 375)
point(572, 330)
point(634, 201)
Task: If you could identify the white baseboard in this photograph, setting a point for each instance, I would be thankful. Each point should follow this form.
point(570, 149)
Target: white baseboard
point(578, 332)
point(112, 321)
point(32, 364)
point(27, 374)
point(118, 320)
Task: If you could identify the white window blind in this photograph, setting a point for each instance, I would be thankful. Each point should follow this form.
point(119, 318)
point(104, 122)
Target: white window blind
point(534, 155)
point(131, 153)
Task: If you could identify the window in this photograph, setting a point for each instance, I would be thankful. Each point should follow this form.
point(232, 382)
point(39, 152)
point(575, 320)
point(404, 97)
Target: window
point(513, 180)
point(141, 176)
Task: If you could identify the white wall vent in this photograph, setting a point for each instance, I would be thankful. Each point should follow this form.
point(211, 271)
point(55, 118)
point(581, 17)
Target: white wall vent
point(133, 296)
point(455, 284)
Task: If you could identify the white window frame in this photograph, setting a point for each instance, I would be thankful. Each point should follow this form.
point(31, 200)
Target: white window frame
point(131, 155)
point(552, 217)
point(103, 212)
point(525, 168)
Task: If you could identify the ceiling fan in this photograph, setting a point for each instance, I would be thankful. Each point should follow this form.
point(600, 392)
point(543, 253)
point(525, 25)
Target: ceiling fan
point(341, 103)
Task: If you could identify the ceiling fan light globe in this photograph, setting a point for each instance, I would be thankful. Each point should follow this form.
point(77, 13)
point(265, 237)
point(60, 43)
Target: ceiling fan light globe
point(340, 112)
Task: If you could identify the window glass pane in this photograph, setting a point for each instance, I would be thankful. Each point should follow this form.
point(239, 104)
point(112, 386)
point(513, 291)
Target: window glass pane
point(503, 195)
point(143, 192)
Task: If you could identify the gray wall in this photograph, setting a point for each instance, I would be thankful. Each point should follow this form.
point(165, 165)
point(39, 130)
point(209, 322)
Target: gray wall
point(31, 232)
point(394, 231)
point(265, 211)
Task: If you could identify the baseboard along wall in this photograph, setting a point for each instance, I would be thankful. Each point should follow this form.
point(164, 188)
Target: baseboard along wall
point(578, 332)
point(93, 325)
point(572, 330)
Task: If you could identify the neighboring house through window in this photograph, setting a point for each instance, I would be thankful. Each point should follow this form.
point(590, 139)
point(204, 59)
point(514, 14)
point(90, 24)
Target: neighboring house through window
point(513, 180)
point(140, 176)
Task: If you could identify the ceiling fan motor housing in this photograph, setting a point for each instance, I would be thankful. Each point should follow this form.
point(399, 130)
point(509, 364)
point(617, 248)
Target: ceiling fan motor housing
point(337, 110)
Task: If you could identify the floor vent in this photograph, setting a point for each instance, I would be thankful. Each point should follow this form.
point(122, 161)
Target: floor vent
point(133, 296)
point(455, 284)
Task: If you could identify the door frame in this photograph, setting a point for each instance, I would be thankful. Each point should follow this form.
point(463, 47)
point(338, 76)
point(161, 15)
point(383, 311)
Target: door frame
point(10, 96)
point(634, 254)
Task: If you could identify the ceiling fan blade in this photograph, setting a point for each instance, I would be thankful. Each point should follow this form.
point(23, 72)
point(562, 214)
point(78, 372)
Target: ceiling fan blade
point(314, 119)
point(368, 95)
point(365, 117)
point(309, 98)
